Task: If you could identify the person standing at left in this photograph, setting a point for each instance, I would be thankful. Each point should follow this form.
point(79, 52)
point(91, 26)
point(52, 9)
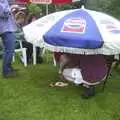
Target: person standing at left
point(7, 29)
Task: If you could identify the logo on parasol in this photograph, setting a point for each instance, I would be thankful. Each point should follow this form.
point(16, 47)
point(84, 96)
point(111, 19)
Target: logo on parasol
point(74, 25)
point(111, 27)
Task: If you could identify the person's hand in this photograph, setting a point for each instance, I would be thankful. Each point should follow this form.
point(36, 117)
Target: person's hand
point(6, 14)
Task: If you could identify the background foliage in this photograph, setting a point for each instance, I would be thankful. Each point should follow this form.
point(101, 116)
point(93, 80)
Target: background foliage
point(108, 6)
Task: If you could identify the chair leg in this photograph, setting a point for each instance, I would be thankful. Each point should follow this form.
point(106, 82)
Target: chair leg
point(43, 51)
point(108, 73)
point(34, 54)
point(24, 57)
point(13, 59)
point(54, 61)
point(104, 83)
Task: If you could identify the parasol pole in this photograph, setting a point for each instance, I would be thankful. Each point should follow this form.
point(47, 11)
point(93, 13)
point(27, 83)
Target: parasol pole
point(57, 7)
point(44, 48)
point(83, 7)
point(47, 9)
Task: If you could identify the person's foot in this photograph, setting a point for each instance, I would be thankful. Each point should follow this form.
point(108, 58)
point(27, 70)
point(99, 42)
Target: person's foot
point(10, 74)
point(88, 92)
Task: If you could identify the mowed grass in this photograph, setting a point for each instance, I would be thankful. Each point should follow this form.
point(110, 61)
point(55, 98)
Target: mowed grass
point(29, 97)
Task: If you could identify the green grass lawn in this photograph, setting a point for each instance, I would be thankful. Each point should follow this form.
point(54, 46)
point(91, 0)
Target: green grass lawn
point(29, 97)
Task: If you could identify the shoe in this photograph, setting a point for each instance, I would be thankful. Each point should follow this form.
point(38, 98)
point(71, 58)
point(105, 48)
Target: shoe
point(88, 92)
point(10, 74)
point(59, 84)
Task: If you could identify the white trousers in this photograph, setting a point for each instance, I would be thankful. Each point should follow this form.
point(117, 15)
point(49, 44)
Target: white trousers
point(73, 74)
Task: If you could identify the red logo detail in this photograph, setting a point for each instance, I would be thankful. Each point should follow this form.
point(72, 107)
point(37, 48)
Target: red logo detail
point(74, 25)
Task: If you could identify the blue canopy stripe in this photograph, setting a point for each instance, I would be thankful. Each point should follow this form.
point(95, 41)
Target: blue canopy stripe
point(75, 30)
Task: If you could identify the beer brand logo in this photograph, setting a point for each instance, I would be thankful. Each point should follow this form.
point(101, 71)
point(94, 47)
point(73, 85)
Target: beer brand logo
point(74, 25)
point(111, 27)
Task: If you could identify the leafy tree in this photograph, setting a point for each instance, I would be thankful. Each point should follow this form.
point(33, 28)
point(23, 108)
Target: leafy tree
point(114, 8)
point(33, 9)
point(111, 7)
point(108, 6)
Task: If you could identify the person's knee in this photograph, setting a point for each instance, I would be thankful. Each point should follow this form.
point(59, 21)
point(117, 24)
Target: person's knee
point(63, 61)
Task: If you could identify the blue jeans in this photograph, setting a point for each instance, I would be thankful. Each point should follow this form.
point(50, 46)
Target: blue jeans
point(9, 43)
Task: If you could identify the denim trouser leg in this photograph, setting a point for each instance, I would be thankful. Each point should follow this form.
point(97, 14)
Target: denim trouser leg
point(9, 43)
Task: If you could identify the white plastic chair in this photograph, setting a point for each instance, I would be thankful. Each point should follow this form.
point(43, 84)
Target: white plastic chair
point(43, 52)
point(34, 53)
point(24, 55)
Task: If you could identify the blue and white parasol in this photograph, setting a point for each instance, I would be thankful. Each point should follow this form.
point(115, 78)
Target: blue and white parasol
point(78, 31)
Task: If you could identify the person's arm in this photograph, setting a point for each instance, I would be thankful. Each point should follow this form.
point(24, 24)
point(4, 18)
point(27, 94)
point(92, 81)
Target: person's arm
point(19, 34)
point(4, 11)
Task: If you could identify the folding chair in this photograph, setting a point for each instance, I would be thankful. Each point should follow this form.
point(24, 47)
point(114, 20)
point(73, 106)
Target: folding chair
point(109, 60)
point(20, 49)
point(34, 53)
point(24, 55)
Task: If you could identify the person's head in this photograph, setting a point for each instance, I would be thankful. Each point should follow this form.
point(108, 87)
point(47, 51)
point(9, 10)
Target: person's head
point(20, 17)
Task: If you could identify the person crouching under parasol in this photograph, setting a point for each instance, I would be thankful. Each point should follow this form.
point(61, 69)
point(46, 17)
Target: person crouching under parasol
point(88, 70)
